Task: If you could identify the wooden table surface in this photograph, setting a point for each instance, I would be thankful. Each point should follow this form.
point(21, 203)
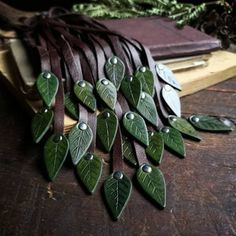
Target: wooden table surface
point(201, 189)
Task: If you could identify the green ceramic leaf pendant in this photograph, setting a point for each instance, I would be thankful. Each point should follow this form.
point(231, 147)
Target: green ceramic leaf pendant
point(47, 86)
point(211, 123)
point(155, 148)
point(84, 92)
point(136, 126)
point(55, 152)
point(131, 87)
point(184, 127)
point(40, 124)
point(117, 189)
point(89, 170)
point(107, 91)
point(147, 108)
point(71, 106)
point(152, 182)
point(167, 76)
point(115, 71)
point(107, 125)
point(146, 78)
point(128, 152)
point(80, 138)
point(173, 139)
point(171, 99)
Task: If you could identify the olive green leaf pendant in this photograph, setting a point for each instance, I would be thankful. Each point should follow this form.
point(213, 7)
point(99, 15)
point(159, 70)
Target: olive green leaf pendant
point(117, 191)
point(55, 152)
point(107, 125)
point(71, 106)
point(184, 127)
point(115, 71)
point(173, 140)
point(80, 138)
point(152, 182)
point(211, 123)
point(107, 92)
point(136, 126)
point(128, 152)
point(89, 171)
point(155, 148)
point(146, 78)
point(131, 87)
point(84, 92)
point(47, 85)
point(41, 122)
point(147, 108)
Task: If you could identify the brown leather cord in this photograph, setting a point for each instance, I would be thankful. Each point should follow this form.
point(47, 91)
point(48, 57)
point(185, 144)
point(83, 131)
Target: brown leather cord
point(59, 101)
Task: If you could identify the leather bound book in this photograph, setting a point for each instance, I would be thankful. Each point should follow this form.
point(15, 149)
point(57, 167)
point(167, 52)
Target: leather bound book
point(163, 38)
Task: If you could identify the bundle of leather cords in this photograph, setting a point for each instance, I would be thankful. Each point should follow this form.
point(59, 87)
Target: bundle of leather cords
point(115, 90)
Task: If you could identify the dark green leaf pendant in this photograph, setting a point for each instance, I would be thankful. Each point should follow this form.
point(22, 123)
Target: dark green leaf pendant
point(117, 191)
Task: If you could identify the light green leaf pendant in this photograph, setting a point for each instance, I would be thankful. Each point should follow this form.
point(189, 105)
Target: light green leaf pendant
point(41, 122)
point(173, 140)
point(128, 152)
point(136, 126)
point(131, 87)
point(167, 76)
point(184, 127)
point(84, 92)
point(89, 170)
point(107, 92)
point(147, 108)
point(117, 191)
point(115, 70)
point(107, 125)
point(152, 182)
point(146, 78)
point(47, 85)
point(71, 106)
point(80, 138)
point(55, 152)
point(155, 148)
point(211, 123)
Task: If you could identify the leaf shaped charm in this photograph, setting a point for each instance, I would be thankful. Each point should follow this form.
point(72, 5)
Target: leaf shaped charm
point(128, 152)
point(155, 148)
point(47, 86)
point(173, 139)
point(167, 76)
point(89, 170)
point(211, 123)
point(183, 126)
point(55, 152)
point(147, 108)
point(71, 106)
point(84, 92)
point(117, 189)
point(136, 126)
point(152, 181)
point(131, 87)
point(107, 125)
point(107, 92)
point(40, 124)
point(172, 99)
point(115, 71)
point(147, 80)
point(80, 138)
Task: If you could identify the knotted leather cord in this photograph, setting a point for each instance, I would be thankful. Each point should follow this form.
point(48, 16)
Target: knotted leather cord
point(77, 31)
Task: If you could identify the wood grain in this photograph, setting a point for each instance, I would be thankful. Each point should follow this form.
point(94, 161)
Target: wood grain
point(200, 188)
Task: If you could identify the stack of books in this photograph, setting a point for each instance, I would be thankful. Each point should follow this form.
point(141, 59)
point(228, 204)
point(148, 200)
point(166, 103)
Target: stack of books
point(195, 58)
